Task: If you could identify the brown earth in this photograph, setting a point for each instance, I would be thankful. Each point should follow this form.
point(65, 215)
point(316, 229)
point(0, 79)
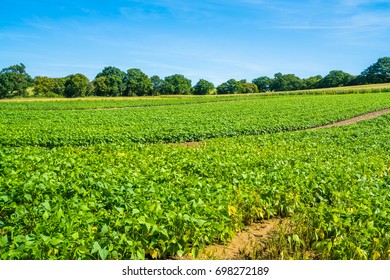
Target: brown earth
point(243, 244)
point(357, 119)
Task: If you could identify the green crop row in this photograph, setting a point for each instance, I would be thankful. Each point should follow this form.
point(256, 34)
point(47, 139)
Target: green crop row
point(340, 90)
point(120, 102)
point(181, 123)
point(136, 201)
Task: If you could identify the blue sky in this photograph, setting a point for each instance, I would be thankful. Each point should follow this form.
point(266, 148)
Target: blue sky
point(214, 40)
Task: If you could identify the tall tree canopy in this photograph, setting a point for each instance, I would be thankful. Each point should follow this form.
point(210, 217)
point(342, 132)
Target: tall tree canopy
point(263, 83)
point(77, 85)
point(377, 73)
point(283, 82)
point(14, 81)
point(44, 86)
point(203, 87)
point(246, 87)
point(176, 84)
point(336, 78)
point(137, 83)
point(109, 82)
point(231, 86)
point(157, 84)
point(312, 82)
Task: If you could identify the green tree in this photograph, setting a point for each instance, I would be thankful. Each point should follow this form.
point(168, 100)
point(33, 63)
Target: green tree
point(14, 81)
point(263, 83)
point(77, 85)
point(284, 82)
point(377, 73)
point(157, 84)
point(137, 83)
point(231, 86)
point(59, 87)
point(312, 82)
point(109, 82)
point(108, 86)
point(44, 86)
point(246, 87)
point(111, 71)
point(203, 87)
point(336, 78)
point(176, 84)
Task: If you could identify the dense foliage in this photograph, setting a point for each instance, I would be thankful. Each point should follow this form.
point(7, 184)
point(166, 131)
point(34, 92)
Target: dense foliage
point(77, 85)
point(377, 73)
point(14, 81)
point(178, 123)
point(112, 81)
point(135, 201)
point(176, 84)
point(203, 87)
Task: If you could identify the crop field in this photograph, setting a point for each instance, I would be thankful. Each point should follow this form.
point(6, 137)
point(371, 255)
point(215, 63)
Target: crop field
point(106, 179)
point(178, 123)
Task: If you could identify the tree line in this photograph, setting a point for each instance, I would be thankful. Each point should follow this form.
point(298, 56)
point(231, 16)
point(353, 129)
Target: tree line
point(111, 81)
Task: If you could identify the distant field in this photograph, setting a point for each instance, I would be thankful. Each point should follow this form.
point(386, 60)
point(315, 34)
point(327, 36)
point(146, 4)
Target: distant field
point(177, 122)
point(99, 181)
point(372, 88)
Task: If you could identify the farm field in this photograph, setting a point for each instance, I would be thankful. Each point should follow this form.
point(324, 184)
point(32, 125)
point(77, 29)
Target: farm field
point(179, 123)
point(112, 184)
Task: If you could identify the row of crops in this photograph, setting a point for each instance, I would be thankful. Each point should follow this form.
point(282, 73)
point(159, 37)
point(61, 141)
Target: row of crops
point(97, 193)
point(145, 201)
point(181, 123)
point(119, 102)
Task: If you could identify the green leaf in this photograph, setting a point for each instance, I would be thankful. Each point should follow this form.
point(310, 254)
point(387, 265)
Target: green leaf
point(46, 204)
point(104, 229)
point(96, 247)
point(84, 207)
point(195, 252)
point(4, 240)
point(55, 241)
point(45, 215)
point(103, 253)
point(75, 236)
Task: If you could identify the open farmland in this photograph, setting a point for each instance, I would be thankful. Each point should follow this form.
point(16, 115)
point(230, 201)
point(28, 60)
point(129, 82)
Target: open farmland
point(89, 183)
point(179, 123)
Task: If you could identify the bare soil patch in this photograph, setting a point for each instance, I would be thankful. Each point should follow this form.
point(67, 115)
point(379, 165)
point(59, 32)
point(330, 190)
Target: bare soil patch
point(357, 119)
point(244, 243)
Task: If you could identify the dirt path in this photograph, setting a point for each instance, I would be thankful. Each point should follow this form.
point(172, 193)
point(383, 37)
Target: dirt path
point(243, 244)
point(354, 120)
point(357, 119)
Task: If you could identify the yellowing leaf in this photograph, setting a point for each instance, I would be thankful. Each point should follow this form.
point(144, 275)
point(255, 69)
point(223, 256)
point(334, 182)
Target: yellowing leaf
point(376, 256)
point(232, 210)
point(153, 254)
